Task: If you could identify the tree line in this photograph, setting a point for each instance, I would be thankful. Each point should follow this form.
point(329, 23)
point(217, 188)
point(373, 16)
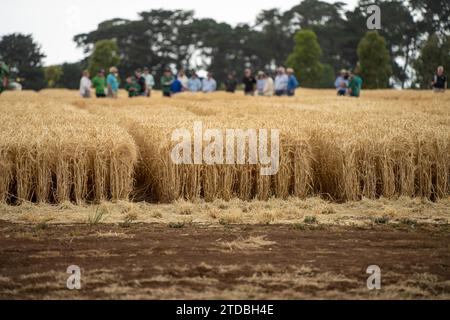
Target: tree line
point(413, 39)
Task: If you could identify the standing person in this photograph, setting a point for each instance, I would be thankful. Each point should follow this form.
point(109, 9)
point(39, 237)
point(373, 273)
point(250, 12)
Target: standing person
point(292, 82)
point(355, 84)
point(4, 72)
point(149, 81)
point(132, 87)
point(183, 80)
point(439, 82)
point(166, 83)
point(249, 83)
point(281, 82)
point(341, 83)
point(112, 81)
point(194, 83)
point(261, 83)
point(269, 87)
point(85, 85)
point(231, 83)
point(176, 86)
point(99, 83)
point(140, 80)
point(209, 84)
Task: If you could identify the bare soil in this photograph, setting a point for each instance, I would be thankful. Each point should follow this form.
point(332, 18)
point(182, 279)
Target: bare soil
point(192, 261)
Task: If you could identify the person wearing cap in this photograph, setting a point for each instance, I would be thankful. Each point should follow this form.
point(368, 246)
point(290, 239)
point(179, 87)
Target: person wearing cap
point(194, 83)
point(166, 83)
point(149, 81)
point(140, 80)
point(249, 82)
point(261, 83)
point(341, 83)
point(99, 84)
point(85, 85)
point(112, 81)
point(292, 82)
point(281, 82)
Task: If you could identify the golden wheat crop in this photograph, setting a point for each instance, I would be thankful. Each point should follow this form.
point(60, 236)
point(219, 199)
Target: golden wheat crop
point(55, 146)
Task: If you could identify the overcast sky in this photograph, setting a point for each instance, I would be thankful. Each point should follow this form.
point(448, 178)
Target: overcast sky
point(53, 23)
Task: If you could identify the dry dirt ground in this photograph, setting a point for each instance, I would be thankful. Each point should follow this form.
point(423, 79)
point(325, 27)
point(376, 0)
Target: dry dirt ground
point(187, 254)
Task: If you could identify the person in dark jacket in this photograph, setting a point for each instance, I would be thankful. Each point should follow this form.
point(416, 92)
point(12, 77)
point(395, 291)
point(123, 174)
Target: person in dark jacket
point(231, 83)
point(439, 82)
point(249, 82)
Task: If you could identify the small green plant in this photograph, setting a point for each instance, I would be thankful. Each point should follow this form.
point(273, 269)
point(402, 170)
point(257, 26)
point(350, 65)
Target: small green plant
point(299, 226)
point(130, 217)
point(98, 216)
point(41, 226)
point(310, 220)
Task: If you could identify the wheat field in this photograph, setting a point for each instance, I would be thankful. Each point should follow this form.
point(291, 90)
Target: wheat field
point(56, 147)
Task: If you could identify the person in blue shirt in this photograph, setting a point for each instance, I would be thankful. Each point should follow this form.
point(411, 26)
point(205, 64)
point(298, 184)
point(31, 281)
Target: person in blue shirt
point(194, 83)
point(176, 86)
point(342, 82)
point(209, 84)
point(292, 82)
point(113, 82)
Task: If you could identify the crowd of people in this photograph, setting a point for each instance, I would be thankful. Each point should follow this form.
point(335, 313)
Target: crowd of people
point(143, 82)
point(285, 83)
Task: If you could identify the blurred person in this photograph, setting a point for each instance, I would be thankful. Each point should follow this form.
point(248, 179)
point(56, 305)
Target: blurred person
point(183, 80)
point(439, 82)
point(166, 83)
point(281, 82)
point(194, 83)
point(249, 83)
point(4, 73)
point(269, 87)
point(261, 83)
point(99, 84)
point(176, 86)
point(132, 87)
point(112, 81)
point(149, 81)
point(209, 84)
point(140, 80)
point(292, 82)
point(231, 83)
point(355, 84)
point(85, 85)
point(341, 83)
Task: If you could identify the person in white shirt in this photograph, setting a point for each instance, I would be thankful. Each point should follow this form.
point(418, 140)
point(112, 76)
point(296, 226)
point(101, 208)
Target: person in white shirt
point(268, 88)
point(209, 84)
point(85, 85)
point(183, 79)
point(149, 81)
point(281, 82)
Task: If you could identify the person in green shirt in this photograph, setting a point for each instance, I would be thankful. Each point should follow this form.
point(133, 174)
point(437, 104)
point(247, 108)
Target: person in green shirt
point(166, 83)
point(4, 72)
point(99, 83)
point(132, 87)
point(354, 87)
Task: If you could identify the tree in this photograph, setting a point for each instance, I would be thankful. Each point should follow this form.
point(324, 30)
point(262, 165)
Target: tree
point(105, 55)
point(305, 59)
point(433, 54)
point(71, 73)
point(52, 75)
point(374, 61)
point(24, 58)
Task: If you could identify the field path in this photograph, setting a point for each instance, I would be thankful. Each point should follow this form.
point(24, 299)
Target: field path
point(155, 261)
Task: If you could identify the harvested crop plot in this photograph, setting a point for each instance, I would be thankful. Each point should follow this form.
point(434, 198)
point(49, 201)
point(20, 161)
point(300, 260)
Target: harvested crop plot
point(53, 152)
point(386, 144)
